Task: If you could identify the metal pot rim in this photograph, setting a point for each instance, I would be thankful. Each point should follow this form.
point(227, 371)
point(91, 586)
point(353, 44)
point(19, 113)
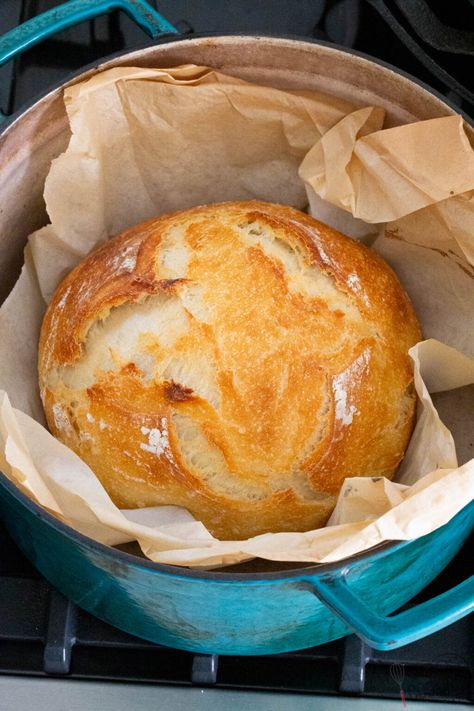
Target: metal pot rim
point(378, 551)
point(81, 74)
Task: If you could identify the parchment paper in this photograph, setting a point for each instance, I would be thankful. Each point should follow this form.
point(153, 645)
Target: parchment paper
point(146, 141)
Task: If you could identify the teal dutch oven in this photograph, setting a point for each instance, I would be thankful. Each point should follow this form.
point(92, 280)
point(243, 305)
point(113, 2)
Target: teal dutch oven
point(224, 612)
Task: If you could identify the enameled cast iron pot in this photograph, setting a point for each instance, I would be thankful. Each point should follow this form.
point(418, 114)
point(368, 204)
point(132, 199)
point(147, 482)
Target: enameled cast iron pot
point(218, 612)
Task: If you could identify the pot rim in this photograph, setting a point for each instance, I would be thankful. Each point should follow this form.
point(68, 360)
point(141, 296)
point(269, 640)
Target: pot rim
point(37, 510)
point(378, 551)
point(98, 66)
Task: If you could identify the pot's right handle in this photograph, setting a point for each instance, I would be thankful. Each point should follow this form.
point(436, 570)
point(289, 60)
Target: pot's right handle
point(388, 633)
point(72, 13)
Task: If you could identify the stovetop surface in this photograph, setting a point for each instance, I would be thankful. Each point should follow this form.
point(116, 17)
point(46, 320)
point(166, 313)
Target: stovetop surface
point(44, 636)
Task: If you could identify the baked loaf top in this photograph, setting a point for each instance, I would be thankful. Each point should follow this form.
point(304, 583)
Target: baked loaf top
point(238, 359)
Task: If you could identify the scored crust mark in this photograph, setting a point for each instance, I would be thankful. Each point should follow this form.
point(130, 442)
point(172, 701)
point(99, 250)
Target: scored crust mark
point(257, 230)
point(321, 426)
point(196, 372)
point(207, 461)
point(172, 258)
point(115, 342)
point(302, 274)
point(192, 297)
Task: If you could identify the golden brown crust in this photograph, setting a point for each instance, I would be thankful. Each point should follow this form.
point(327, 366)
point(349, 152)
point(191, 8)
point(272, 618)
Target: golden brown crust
point(238, 359)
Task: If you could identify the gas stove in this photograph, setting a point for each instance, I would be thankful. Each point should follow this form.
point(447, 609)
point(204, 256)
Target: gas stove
point(57, 654)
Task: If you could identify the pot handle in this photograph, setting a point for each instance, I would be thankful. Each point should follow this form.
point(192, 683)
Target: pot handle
point(72, 13)
point(388, 633)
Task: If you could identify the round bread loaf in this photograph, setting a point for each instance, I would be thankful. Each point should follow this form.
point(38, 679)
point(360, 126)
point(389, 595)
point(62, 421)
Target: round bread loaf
point(238, 359)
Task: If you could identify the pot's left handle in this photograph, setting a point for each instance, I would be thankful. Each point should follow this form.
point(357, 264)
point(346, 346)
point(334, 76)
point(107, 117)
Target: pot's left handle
point(72, 13)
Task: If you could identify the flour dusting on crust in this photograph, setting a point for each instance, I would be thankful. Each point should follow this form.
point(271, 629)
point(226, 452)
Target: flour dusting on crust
point(344, 411)
point(126, 259)
point(62, 301)
point(353, 282)
point(61, 420)
point(158, 440)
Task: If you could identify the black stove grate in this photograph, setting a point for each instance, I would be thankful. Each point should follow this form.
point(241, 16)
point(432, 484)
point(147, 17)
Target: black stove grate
point(43, 634)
